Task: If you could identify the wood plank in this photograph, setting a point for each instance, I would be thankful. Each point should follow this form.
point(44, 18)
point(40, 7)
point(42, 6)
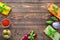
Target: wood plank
point(30, 0)
point(28, 18)
point(29, 7)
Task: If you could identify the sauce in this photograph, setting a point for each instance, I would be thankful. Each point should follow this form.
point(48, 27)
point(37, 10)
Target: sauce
point(5, 22)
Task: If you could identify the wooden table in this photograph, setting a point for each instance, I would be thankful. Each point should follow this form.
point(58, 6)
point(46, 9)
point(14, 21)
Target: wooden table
point(27, 15)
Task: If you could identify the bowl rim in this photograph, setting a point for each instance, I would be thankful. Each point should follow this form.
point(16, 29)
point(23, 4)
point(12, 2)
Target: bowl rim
point(6, 26)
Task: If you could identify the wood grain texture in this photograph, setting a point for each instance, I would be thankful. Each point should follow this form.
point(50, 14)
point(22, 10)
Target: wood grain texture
point(27, 15)
point(30, 0)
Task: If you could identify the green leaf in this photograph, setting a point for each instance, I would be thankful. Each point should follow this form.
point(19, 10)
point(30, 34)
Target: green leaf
point(56, 36)
point(49, 31)
point(33, 34)
point(49, 22)
point(53, 10)
point(54, 18)
point(2, 8)
point(55, 7)
point(56, 12)
point(31, 37)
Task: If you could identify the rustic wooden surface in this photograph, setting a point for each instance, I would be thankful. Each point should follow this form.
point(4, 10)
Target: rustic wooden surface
point(27, 15)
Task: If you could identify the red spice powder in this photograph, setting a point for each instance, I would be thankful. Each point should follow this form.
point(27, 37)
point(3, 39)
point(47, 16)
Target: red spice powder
point(5, 22)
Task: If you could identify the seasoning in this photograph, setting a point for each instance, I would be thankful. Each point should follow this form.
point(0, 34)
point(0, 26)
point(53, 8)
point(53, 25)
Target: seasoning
point(5, 22)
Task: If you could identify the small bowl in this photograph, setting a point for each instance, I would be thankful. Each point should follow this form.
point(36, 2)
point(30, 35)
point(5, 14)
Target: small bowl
point(5, 34)
point(56, 25)
point(4, 25)
point(27, 35)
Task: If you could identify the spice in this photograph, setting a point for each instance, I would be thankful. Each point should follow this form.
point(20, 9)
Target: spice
point(5, 22)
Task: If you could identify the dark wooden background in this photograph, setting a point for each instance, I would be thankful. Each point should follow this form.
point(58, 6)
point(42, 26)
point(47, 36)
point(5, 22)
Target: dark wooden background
point(27, 15)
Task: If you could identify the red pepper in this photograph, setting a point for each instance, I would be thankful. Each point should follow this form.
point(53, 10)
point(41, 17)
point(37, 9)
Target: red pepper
point(5, 22)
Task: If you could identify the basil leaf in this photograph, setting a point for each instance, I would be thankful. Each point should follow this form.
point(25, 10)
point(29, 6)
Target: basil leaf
point(56, 12)
point(49, 22)
point(54, 18)
point(55, 7)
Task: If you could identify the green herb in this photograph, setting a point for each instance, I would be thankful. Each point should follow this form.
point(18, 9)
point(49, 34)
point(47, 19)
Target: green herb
point(2, 8)
point(56, 12)
point(55, 8)
point(54, 18)
point(31, 37)
point(51, 31)
point(49, 22)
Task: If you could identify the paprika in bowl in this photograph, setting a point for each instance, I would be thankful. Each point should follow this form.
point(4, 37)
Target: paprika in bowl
point(5, 23)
